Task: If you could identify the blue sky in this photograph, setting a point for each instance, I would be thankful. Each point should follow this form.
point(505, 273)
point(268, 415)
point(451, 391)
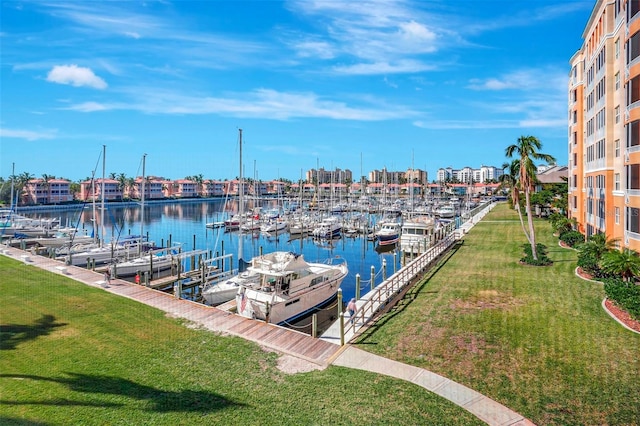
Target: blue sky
point(337, 84)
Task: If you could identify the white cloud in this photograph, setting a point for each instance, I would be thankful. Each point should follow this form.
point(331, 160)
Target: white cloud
point(261, 103)
point(30, 135)
point(399, 67)
point(75, 76)
point(90, 107)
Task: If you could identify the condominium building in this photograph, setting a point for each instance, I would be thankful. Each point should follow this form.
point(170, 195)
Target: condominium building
point(469, 175)
point(604, 124)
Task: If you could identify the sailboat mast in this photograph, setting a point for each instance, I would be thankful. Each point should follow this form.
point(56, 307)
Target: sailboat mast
point(240, 206)
point(144, 157)
point(104, 159)
point(13, 179)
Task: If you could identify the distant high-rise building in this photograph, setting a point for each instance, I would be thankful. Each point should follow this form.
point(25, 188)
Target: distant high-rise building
point(604, 124)
point(469, 175)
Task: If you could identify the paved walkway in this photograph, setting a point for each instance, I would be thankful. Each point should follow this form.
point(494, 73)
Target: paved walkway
point(486, 409)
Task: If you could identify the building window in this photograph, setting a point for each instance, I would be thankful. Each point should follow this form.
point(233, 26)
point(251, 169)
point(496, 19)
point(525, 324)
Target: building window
point(616, 211)
point(633, 176)
point(633, 133)
point(575, 138)
point(617, 147)
point(575, 117)
point(617, 47)
point(633, 90)
point(617, 112)
point(617, 80)
point(616, 182)
point(633, 47)
point(633, 7)
point(633, 220)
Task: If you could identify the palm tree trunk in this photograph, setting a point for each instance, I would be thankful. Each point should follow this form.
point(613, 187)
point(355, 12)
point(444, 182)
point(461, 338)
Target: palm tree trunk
point(532, 234)
point(524, 229)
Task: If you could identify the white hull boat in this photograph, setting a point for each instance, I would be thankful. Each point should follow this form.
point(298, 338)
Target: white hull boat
point(288, 287)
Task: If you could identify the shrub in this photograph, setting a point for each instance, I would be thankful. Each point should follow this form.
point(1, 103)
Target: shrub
point(571, 238)
point(625, 294)
point(543, 259)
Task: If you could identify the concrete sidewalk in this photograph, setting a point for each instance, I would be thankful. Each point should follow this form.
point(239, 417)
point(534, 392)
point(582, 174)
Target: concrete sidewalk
point(477, 404)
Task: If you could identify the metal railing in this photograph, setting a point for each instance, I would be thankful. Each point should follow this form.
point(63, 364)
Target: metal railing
point(377, 299)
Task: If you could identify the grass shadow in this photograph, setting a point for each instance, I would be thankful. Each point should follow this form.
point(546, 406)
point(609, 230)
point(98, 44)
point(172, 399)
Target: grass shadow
point(11, 335)
point(161, 401)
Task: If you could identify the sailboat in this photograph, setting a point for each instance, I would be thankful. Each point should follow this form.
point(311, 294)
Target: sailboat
point(154, 260)
point(224, 286)
point(103, 253)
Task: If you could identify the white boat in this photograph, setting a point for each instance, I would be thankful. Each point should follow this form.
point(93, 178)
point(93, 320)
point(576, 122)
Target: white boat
point(63, 238)
point(274, 226)
point(289, 287)
point(225, 287)
point(417, 234)
point(445, 211)
point(147, 263)
point(328, 228)
point(388, 234)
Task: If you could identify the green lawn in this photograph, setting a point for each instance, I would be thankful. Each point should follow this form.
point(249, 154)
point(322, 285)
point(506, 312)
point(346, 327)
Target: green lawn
point(73, 354)
point(535, 339)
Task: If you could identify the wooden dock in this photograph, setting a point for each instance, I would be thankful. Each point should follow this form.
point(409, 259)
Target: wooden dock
point(272, 336)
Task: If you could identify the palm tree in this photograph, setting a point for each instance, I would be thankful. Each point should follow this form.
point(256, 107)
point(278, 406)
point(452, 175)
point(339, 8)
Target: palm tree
point(625, 263)
point(526, 149)
point(47, 185)
point(22, 181)
point(122, 184)
point(509, 180)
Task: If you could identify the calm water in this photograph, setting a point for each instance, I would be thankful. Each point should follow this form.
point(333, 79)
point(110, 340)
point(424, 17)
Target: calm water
point(186, 222)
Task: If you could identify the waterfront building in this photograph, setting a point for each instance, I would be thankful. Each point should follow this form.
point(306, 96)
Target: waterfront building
point(47, 191)
point(604, 124)
point(469, 175)
point(90, 191)
point(321, 175)
point(213, 188)
point(153, 188)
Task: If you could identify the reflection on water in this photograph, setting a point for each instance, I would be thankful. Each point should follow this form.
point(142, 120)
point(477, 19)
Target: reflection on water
point(185, 223)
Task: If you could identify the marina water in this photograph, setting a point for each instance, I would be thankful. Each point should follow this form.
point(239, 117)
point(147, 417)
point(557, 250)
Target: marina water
point(185, 223)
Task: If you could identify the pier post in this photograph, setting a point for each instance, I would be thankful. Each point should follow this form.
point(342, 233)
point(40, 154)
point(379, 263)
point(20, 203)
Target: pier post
point(169, 241)
point(357, 286)
point(373, 277)
point(339, 301)
point(384, 269)
point(177, 289)
point(193, 259)
point(115, 270)
point(314, 325)
point(146, 278)
point(395, 262)
point(341, 328)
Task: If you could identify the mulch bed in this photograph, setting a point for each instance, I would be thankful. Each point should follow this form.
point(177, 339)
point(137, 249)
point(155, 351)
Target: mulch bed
point(620, 314)
point(623, 316)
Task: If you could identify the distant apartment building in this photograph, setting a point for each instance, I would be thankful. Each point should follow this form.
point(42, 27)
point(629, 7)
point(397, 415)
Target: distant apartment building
point(321, 175)
point(469, 175)
point(93, 190)
point(47, 191)
point(385, 176)
point(604, 124)
point(153, 188)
